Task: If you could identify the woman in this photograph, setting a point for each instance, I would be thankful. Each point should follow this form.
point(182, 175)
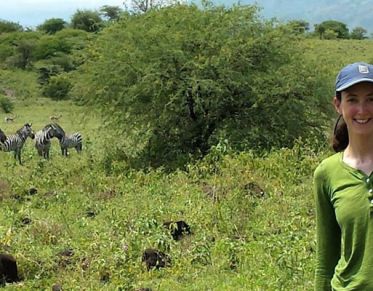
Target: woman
point(344, 189)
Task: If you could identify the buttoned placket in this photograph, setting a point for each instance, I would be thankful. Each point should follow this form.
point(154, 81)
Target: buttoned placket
point(369, 181)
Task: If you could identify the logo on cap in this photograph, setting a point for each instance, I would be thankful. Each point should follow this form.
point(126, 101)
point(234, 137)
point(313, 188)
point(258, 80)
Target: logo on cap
point(363, 69)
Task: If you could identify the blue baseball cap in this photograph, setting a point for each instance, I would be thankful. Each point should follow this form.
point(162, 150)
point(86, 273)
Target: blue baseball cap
point(353, 74)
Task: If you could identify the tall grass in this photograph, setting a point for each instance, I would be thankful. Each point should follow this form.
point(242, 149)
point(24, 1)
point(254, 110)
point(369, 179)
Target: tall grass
point(252, 217)
point(242, 239)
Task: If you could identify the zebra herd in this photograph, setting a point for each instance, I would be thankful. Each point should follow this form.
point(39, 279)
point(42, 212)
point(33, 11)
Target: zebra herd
point(14, 143)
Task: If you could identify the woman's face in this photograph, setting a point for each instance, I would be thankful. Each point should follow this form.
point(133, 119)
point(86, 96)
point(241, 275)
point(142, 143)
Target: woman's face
point(356, 107)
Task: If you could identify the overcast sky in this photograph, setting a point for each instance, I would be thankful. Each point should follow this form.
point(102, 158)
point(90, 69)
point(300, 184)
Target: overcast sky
point(30, 13)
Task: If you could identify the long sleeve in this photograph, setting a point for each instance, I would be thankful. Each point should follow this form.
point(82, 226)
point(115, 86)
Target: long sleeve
point(328, 233)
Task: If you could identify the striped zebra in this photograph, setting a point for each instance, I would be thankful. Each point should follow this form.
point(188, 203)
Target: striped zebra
point(14, 143)
point(74, 140)
point(43, 138)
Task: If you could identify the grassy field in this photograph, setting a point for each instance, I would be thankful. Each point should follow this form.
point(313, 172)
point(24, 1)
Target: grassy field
point(241, 239)
point(105, 215)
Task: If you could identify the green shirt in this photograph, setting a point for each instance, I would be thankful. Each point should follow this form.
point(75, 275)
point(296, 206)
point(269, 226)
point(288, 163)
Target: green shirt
point(344, 223)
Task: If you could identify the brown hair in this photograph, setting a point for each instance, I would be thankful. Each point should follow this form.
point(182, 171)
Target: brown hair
point(340, 134)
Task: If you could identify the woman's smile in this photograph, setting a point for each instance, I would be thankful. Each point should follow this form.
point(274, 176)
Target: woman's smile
point(362, 121)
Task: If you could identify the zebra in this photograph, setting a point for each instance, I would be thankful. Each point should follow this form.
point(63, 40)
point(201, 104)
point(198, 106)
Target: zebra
point(74, 140)
point(2, 136)
point(43, 138)
point(14, 143)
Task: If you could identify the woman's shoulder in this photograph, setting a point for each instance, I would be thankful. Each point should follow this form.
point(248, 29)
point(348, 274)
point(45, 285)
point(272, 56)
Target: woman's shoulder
point(330, 164)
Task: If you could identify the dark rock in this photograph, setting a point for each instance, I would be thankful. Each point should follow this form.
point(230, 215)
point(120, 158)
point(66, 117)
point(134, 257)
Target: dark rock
point(32, 191)
point(90, 213)
point(26, 220)
point(155, 259)
point(104, 276)
point(8, 269)
point(57, 287)
point(178, 229)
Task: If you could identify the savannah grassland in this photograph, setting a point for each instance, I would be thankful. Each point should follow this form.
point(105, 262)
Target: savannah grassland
point(241, 240)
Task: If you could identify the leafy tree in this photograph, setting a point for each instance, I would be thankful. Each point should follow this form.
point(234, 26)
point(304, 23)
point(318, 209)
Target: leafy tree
point(111, 12)
point(181, 79)
point(338, 27)
point(330, 34)
point(17, 48)
point(143, 5)
point(49, 45)
point(57, 88)
point(23, 54)
point(76, 39)
point(146, 5)
point(320, 30)
point(52, 25)
point(358, 33)
point(87, 20)
point(8, 26)
point(299, 26)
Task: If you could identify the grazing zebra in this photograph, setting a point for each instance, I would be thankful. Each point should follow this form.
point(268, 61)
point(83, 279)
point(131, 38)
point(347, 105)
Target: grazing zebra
point(14, 143)
point(2, 136)
point(71, 141)
point(43, 138)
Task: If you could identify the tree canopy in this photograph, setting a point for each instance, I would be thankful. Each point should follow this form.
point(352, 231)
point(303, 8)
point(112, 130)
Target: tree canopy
point(52, 25)
point(299, 26)
point(358, 33)
point(338, 27)
point(87, 20)
point(183, 79)
point(9, 26)
point(111, 12)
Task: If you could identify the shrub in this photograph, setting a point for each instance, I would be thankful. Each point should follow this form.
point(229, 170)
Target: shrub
point(6, 104)
point(57, 88)
point(216, 74)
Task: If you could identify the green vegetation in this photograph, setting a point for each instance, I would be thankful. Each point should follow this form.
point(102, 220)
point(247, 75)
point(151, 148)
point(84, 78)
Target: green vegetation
point(218, 120)
point(87, 20)
point(52, 25)
point(332, 26)
point(8, 26)
point(240, 238)
point(217, 74)
point(6, 104)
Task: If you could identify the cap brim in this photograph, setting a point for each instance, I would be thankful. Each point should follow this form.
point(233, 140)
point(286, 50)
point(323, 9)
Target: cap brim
point(345, 86)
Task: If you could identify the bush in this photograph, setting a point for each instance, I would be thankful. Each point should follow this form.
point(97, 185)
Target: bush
point(57, 88)
point(6, 104)
point(330, 34)
point(216, 74)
